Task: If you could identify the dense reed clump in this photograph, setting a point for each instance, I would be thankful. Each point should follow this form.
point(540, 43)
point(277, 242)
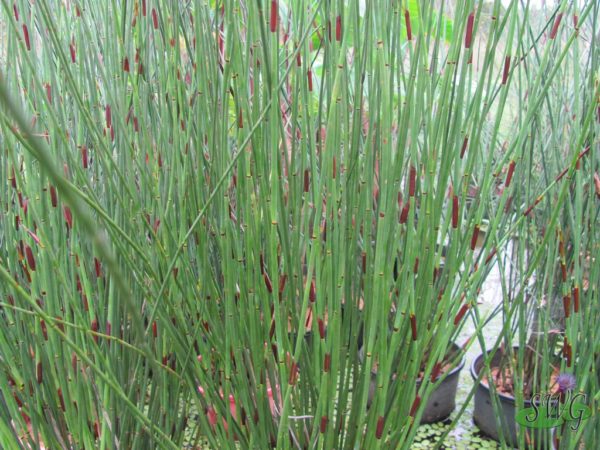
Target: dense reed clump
point(223, 217)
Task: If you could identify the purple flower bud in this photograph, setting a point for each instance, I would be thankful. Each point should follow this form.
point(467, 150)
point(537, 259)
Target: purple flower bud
point(566, 382)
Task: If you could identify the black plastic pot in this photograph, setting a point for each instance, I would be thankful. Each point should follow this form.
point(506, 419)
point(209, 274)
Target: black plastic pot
point(485, 417)
point(308, 337)
point(442, 399)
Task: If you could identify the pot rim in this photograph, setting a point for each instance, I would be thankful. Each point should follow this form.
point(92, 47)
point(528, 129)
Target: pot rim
point(456, 369)
point(507, 397)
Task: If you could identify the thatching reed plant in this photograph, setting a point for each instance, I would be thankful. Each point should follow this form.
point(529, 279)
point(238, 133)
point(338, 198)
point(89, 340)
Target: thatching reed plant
point(195, 188)
point(556, 214)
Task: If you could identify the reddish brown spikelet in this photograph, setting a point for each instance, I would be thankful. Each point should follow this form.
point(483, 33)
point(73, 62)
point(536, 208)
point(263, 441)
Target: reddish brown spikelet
point(490, 256)
point(584, 152)
point(21, 250)
point(408, 25)
point(412, 186)
point(222, 42)
point(576, 21)
point(30, 258)
point(576, 299)
point(72, 51)
point(154, 19)
point(98, 267)
point(44, 329)
point(313, 292)
point(321, 328)
point(271, 334)
point(556, 25)
point(323, 426)
point(48, 92)
point(34, 236)
point(413, 327)
point(86, 306)
point(528, 210)
point(338, 28)
point(364, 262)
point(74, 362)
point(95, 330)
point(298, 59)
point(464, 147)
point(136, 126)
point(26, 272)
point(310, 80)
point(268, 282)
point(293, 374)
point(26, 418)
point(380, 426)
point(274, 15)
point(469, 32)
point(567, 305)
point(435, 372)
point(60, 324)
point(154, 329)
point(334, 168)
point(61, 399)
point(282, 282)
point(506, 69)
point(327, 362)
point(126, 64)
point(16, 11)
point(68, 217)
point(474, 237)
point(240, 119)
point(13, 179)
point(306, 180)
point(415, 406)
point(18, 400)
point(454, 211)
point(597, 184)
point(509, 175)
point(416, 266)
point(84, 157)
point(461, 313)
point(404, 213)
point(144, 8)
point(108, 116)
point(26, 37)
point(39, 372)
point(567, 351)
